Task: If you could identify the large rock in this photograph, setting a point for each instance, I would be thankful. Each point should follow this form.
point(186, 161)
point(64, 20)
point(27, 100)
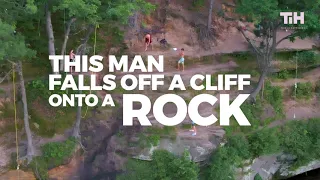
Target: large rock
point(285, 172)
point(199, 149)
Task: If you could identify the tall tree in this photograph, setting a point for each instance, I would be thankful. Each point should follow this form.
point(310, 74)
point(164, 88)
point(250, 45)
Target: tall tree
point(13, 48)
point(85, 10)
point(80, 51)
point(111, 12)
point(14, 10)
point(49, 28)
point(116, 13)
point(266, 16)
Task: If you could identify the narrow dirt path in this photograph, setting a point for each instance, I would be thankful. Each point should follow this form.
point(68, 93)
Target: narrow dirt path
point(311, 76)
point(234, 43)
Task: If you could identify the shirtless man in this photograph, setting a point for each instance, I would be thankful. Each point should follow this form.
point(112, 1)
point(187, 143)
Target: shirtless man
point(181, 60)
point(147, 40)
point(72, 56)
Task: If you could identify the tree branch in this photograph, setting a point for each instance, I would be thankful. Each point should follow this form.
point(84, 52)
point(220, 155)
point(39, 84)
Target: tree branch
point(249, 41)
point(7, 74)
point(286, 37)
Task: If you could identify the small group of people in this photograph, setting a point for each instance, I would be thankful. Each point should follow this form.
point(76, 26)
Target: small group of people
point(148, 41)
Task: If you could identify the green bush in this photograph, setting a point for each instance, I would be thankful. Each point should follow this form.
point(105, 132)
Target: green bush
point(2, 91)
point(240, 144)
point(274, 96)
point(284, 74)
point(56, 153)
point(198, 3)
point(40, 168)
point(40, 88)
point(307, 58)
point(257, 177)
point(225, 158)
point(221, 166)
point(53, 154)
point(136, 170)
point(264, 142)
point(242, 56)
point(301, 139)
point(253, 113)
point(153, 139)
point(167, 166)
point(298, 138)
point(304, 90)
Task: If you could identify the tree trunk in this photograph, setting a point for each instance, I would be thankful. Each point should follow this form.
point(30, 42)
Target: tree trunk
point(49, 28)
point(76, 127)
point(30, 148)
point(210, 15)
point(66, 38)
point(80, 50)
point(255, 92)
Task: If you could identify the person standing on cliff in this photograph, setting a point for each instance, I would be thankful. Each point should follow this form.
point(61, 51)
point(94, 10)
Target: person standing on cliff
point(181, 60)
point(147, 41)
point(72, 56)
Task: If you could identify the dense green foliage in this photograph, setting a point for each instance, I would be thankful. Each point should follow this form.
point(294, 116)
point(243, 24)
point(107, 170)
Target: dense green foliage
point(253, 113)
point(266, 13)
point(274, 96)
point(40, 88)
point(301, 139)
point(198, 3)
point(297, 138)
point(307, 58)
point(257, 177)
point(263, 142)
point(12, 46)
point(304, 90)
point(284, 74)
point(49, 119)
point(179, 168)
point(56, 153)
point(40, 167)
point(53, 154)
point(225, 159)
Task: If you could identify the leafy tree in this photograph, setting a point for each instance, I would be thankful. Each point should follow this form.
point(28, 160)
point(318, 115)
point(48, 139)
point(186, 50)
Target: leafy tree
point(266, 15)
point(13, 48)
point(313, 127)
point(240, 144)
point(164, 165)
point(257, 177)
point(307, 58)
point(222, 165)
point(296, 141)
point(136, 169)
point(264, 142)
point(14, 10)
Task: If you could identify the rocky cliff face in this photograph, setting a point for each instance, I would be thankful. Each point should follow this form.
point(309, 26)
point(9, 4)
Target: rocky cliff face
point(274, 166)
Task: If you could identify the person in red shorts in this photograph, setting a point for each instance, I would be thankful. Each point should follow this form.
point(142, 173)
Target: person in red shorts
point(147, 40)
